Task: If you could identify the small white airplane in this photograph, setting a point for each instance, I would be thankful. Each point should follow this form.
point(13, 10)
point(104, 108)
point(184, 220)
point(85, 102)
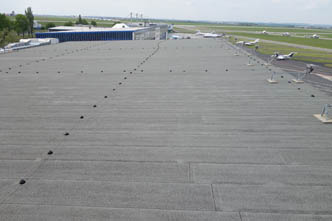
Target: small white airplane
point(211, 35)
point(315, 36)
point(265, 32)
point(175, 37)
point(251, 43)
point(286, 34)
point(208, 35)
point(281, 57)
point(199, 33)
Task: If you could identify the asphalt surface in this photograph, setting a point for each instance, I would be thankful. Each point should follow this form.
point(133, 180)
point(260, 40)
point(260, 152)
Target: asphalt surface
point(149, 130)
point(294, 67)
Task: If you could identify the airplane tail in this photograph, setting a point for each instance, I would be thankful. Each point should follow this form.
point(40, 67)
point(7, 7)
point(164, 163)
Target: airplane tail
point(257, 40)
point(291, 54)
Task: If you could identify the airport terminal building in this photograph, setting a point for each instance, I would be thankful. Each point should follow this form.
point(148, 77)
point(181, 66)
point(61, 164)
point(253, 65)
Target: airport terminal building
point(117, 33)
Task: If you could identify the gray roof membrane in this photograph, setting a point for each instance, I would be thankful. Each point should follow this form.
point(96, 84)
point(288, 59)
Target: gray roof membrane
point(171, 130)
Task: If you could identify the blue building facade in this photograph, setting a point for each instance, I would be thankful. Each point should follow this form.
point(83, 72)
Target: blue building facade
point(88, 36)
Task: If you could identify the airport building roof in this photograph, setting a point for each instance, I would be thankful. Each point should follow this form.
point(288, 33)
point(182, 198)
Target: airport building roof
point(158, 130)
point(117, 27)
point(93, 29)
point(116, 33)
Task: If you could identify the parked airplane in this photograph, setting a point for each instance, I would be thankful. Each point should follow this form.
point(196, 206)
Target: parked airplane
point(265, 32)
point(248, 43)
point(252, 42)
point(199, 33)
point(175, 37)
point(283, 57)
point(208, 35)
point(211, 35)
point(315, 36)
point(286, 34)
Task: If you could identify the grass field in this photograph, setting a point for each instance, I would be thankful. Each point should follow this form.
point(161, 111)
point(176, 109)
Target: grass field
point(307, 55)
point(326, 35)
point(59, 21)
point(105, 23)
point(55, 18)
point(183, 30)
point(260, 29)
point(321, 43)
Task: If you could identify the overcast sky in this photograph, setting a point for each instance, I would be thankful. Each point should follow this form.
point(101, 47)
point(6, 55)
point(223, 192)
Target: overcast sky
point(283, 11)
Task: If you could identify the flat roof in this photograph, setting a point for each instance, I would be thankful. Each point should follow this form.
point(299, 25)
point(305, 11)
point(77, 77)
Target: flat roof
point(94, 29)
point(158, 130)
point(97, 29)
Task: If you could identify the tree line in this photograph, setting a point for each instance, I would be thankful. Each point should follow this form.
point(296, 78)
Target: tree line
point(10, 30)
point(79, 21)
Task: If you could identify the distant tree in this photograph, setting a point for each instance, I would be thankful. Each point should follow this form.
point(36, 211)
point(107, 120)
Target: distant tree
point(3, 34)
point(7, 37)
point(5, 22)
point(81, 21)
point(30, 17)
point(69, 23)
point(84, 22)
point(11, 37)
point(49, 25)
point(93, 23)
point(21, 24)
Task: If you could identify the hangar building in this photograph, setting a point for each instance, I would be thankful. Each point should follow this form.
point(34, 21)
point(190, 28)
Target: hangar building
point(116, 33)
